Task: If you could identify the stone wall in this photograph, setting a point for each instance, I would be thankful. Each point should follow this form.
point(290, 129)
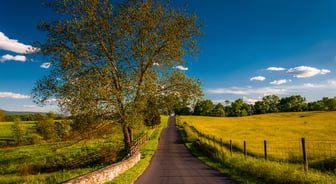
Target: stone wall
point(108, 173)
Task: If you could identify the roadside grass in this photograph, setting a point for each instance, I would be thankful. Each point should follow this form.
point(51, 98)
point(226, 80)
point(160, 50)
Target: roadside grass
point(147, 152)
point(249, 169)
point(61, 161)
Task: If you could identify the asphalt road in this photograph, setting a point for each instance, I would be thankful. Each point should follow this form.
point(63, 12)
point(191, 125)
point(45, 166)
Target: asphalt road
point(172, 163)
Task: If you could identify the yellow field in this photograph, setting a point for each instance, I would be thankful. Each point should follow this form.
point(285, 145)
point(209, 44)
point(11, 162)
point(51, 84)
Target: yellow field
point(283, 132)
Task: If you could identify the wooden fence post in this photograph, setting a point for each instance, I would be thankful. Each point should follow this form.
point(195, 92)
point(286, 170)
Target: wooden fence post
point(245, 151)
point(265, 149)
point(304, 152)
point(231, 147)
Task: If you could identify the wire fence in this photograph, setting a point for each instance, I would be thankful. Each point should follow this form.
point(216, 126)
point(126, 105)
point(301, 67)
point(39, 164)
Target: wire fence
point(319, 154)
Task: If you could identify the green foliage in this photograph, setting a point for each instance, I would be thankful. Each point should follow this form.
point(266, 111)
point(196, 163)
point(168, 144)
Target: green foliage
point(52, 130)
point(51, 115)
point(20, 164)
point(326, 104)
point(294, 103)
point(47, 129)
point(20, 133)
point(239, 108)
point(203, 108)
point(109, 58)
point(63, 128)
point(147, 152)
point(271, 103)
point(151, 114)
point(218, 111)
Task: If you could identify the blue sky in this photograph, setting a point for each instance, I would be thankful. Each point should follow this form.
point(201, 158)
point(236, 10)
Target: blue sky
point(249, 49)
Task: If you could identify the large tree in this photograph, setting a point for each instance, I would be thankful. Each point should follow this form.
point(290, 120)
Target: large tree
point(295, 103)
point(271, 103)
point(108, 59)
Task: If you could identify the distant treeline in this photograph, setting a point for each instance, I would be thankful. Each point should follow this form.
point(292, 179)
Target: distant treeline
point(26, 117)
point(268, 104)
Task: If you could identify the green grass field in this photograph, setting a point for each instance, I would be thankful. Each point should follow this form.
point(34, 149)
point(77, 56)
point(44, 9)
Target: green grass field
point(60, 161)
point(6, 129)
point(283, 131)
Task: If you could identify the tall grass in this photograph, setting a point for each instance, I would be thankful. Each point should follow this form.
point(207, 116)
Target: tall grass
point(250, 169)
point(283, 132)
point(60, 161)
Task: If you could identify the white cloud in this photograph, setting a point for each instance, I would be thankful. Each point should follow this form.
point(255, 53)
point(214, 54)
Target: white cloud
point(45, 65)
point(248, 91)
point(181, 67)
point(250, 100)
point(332, 82)
point(324, 71)
point(13, 95)
point(35, 108)
point(13, 45)
point(259, 78)
point(276, 90)
point(306, 71)
point(278, 82)
point(51, 100)
point(276, 68)
point(310, 85)
point(30, 106)
point(15, 58)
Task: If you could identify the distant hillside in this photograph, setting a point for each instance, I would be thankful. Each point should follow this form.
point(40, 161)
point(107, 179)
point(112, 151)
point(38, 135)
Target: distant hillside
point(11, 113)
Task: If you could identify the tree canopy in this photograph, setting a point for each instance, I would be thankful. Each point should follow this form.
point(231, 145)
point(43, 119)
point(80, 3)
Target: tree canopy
point(108, 59)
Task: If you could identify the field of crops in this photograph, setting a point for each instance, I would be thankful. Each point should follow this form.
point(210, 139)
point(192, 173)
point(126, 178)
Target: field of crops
point(282, 131)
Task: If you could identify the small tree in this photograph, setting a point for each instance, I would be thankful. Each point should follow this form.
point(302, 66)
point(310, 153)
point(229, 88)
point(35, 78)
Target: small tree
point(47, 129)
point(152, 114)
point(63, 128)
point(20, 132)
point(271, 103)
point(38, 116)
point(219, 110)
point(239, 108)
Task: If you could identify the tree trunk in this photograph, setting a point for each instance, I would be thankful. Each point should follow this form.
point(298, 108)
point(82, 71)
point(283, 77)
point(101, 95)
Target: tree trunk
point(128, 137)
point(130, 131)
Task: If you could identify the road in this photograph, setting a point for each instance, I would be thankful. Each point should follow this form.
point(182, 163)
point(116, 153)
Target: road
point(172, 163)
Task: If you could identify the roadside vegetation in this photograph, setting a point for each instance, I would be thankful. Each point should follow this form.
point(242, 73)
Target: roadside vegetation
point(283, 132)
point(147, 152)
point(56, 162)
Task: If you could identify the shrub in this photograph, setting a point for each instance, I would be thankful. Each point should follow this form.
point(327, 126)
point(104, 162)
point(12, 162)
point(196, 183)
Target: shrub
point(20, 133)
point(47, 129)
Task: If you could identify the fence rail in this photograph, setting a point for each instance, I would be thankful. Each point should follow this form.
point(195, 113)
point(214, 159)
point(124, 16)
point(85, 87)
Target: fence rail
point(316, 152)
